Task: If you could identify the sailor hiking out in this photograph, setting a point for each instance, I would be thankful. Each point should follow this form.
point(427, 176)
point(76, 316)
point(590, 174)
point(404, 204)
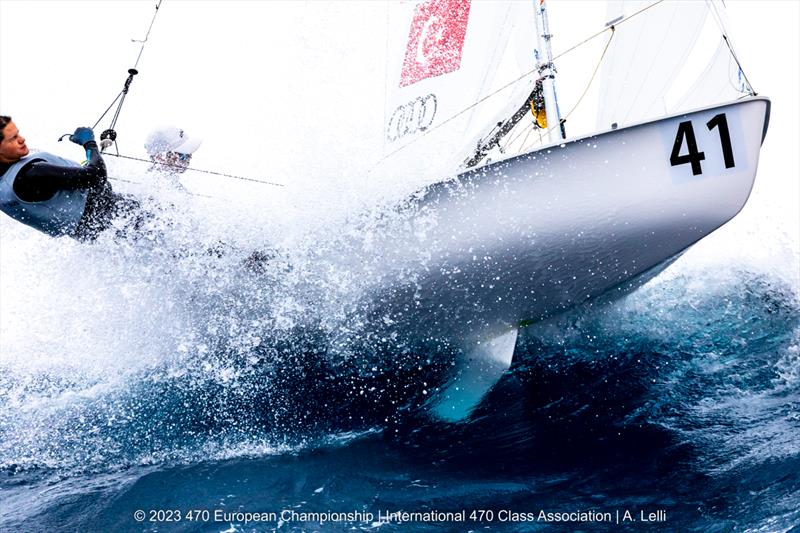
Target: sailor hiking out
point(54, 195)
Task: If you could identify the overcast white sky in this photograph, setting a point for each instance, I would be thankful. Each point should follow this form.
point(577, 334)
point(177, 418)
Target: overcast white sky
point(293, 91)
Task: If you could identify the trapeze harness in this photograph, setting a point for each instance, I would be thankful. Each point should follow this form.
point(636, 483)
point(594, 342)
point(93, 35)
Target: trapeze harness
point(60, 197)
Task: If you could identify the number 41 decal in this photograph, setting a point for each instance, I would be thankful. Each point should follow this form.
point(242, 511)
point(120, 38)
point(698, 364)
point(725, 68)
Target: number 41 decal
point(686, 132)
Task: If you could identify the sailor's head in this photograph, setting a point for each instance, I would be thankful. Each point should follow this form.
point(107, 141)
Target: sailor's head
point(12, 144)
point(171, 147)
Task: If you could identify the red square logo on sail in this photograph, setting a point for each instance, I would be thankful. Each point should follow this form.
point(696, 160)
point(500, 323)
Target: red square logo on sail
point(436, 40)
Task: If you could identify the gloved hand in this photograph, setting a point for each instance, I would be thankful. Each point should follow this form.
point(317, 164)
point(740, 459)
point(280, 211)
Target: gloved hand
point(82, 136)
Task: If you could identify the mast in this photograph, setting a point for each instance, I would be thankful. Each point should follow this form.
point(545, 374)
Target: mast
point(544, 88)
point(547, 71)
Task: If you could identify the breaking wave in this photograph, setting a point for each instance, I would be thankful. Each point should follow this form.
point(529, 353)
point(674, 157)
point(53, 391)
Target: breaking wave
point(187, 346)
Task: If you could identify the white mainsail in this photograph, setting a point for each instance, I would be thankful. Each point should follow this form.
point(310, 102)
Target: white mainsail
point(445, 59)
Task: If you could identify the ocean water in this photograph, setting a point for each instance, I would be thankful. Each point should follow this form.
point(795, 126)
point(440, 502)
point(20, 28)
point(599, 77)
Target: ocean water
point(173, 384)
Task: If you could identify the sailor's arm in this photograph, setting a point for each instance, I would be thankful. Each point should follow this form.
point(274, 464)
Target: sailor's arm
point(39, 180)
point(43, 176)
point(95, 167)
point(66, 177)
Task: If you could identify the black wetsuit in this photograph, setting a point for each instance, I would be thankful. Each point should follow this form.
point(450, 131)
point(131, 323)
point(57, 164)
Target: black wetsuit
point(39, 181)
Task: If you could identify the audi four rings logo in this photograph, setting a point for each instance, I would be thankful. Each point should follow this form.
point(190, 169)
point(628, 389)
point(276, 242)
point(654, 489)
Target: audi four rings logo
point(413, 117)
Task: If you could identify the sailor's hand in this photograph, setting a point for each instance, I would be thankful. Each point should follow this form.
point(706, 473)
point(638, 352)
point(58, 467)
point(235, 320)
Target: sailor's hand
point(82, 136)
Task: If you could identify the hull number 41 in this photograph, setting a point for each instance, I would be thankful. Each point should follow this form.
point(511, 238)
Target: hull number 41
point(686, 136)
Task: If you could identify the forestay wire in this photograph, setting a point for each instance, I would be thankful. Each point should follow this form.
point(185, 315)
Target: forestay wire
point(721, 25)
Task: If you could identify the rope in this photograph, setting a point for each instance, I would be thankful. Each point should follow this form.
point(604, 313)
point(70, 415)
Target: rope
point(264, 182)
point(523, 76)
point(591, 80)
point(733, 54)
point(588, 85)
point(718, 20)
point(147, 36)
point(109, 136)
point(529, 128)
point(568, 50)
point(107, 110)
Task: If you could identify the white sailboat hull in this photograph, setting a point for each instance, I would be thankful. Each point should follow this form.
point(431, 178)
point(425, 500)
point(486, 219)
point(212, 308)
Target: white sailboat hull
point(525, 238)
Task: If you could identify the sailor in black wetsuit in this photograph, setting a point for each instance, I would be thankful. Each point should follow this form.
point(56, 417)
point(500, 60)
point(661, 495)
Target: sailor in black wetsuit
point(55, 195)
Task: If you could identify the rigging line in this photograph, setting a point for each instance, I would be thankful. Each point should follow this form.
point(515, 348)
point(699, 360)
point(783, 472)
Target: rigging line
point(147, 36)
point(585, 91)
point(528, 128)
point(607, 28)
point(594, 74)
point(121, 96)
point(107, 110)
point(718, 19)
point(264, 182)
point(546, 132)
point(712, 8)
point(525, 146)
point(525, 140)
point(752, 91)
point(732, 82)
point(588, 85)
point(509, 84)
point(717, 16)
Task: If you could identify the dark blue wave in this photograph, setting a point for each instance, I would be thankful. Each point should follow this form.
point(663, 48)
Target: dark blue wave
point(676, 398)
